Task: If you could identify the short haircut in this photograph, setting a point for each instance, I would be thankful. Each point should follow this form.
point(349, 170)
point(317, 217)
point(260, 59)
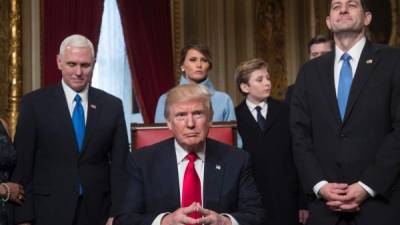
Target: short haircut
point(243, 71)
point(365, 4)
point(199, 47)
point(188, 92)
point(318, 39)
point(76, 41)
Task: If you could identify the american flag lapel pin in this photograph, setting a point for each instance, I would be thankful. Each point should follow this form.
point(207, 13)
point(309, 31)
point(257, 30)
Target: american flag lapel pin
point(218, 167)
point(92, 106)
point(369, 61)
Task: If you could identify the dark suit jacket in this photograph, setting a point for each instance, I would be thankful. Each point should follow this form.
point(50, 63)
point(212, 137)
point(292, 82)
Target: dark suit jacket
point(289, 93)
point(153, 186)
point(271, 154)
point(364, 147)
point(49, 165)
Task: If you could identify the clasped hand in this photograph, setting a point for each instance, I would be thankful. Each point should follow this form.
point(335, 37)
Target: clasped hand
point(181, 216)
point(342, 197)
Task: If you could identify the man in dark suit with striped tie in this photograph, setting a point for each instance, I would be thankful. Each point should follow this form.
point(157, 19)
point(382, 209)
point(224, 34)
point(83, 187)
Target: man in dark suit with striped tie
point(345, 122)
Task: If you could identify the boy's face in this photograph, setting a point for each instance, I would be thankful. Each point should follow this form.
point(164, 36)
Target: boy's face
point(259, 86)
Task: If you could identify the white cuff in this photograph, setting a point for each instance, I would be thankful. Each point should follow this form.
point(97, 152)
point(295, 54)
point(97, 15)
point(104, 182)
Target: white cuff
point(367, 189)
point(318, 186)
point(157, 220)
point(233, 220)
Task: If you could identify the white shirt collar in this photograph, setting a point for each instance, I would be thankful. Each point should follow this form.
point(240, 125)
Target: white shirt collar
point(253, 106)
point(182, 153)
point(354, 52)
point(70, 93)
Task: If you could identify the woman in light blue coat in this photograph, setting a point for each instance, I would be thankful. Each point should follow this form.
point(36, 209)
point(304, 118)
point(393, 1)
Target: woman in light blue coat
point(195, 61)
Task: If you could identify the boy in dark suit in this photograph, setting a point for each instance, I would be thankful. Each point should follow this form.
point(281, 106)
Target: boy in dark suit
point(263, 124)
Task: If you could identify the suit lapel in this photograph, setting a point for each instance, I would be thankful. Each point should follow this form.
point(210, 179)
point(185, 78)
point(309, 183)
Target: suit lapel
point(364, 68)
point(63, 117)
point(168, 174)
point(328, 82)
point(213, 177)
point(272, 114)
point(246, 118)
point(93, 111)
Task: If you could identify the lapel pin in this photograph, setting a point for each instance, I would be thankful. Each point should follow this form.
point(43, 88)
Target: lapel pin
point(93, 106)
point(369, 61)
point(218, 167)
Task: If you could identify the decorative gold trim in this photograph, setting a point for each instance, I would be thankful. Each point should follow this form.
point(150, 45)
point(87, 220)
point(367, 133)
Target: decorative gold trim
point(15, 70)
point(176, 35)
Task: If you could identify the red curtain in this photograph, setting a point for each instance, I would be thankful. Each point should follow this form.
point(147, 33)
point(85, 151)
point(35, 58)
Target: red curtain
point(61, 18)
point(147, 32)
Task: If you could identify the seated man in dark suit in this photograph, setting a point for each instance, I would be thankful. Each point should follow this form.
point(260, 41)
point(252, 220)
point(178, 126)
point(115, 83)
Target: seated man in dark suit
point(190, 179)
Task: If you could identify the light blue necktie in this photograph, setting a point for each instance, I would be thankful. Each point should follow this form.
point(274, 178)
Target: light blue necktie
point(345, 79)
point(78, 120)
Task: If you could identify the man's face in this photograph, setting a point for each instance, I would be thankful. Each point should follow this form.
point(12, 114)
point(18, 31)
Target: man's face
point(319, 49)
point(258, 87)
point(76, 66)
point(189, 121)
point(347, 16)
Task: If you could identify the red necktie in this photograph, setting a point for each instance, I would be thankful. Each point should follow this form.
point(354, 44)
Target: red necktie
point(191, 185)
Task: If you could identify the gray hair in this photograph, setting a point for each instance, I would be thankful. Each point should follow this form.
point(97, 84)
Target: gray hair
point(77, 41)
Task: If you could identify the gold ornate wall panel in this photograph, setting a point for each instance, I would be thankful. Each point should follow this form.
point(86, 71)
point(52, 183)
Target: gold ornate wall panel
point(10, 61)
point(14, 65)
point(4, 48)
point(177, 28)
point(270, 41)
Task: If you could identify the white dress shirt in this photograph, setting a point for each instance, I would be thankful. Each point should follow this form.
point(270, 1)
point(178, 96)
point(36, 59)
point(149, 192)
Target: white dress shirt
point(355, 53)
point(70, 95)
point(252, 108)
point(199, 167)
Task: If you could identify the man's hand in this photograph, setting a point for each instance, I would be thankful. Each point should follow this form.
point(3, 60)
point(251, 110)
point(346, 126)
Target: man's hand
point(334, 194)
point(181, 216)
point(110, 221)
point(356, 194)
point(303, 216)
point(212, 218)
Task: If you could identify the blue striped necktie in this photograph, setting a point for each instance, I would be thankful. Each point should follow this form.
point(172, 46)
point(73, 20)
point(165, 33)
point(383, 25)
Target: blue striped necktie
point(78, 120)
point(345, 79)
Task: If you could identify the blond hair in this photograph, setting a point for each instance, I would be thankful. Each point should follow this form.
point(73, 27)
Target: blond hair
point(188, 92)
point(243, 71)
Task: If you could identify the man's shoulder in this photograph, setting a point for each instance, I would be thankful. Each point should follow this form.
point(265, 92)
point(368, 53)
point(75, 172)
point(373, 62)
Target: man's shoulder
point(154, 149)
point(42, 92)
point(223, 150)
point(103, 95)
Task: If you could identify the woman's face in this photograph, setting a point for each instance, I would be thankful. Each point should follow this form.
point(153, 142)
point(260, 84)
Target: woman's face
point(195, 66)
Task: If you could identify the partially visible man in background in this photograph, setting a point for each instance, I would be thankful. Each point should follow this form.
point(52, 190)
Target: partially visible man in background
point(317, 46)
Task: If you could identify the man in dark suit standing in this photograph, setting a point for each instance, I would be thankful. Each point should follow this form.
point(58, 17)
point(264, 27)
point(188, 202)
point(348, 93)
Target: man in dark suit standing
point(345, 121)
point(190, 179)
point(71, 144)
